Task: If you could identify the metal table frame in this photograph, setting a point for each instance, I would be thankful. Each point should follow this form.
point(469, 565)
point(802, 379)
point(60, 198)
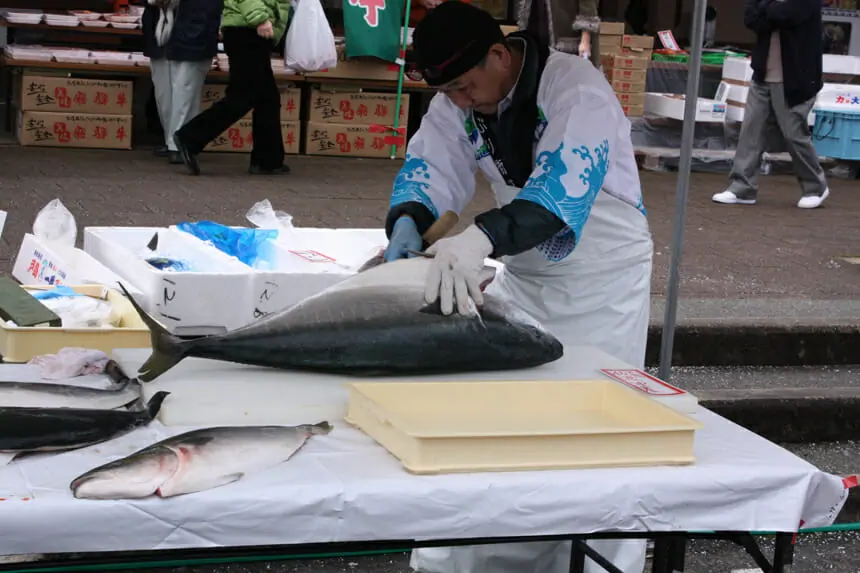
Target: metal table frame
point(669, 552)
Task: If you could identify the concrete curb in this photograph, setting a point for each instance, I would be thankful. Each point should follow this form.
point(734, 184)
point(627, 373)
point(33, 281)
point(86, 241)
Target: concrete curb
point(790, 415)
point(733, 344)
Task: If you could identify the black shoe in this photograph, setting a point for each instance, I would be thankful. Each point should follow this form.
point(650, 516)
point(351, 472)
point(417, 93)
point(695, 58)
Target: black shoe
point(188, 159)
point(161, 151)
point(257, 170)
point(175, 158)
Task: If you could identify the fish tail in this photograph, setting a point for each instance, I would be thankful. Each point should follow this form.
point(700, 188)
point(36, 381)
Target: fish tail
point(322, 428)
point(167, 350)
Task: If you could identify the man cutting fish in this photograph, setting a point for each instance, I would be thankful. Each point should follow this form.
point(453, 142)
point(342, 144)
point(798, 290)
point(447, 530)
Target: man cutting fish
point(549, 134)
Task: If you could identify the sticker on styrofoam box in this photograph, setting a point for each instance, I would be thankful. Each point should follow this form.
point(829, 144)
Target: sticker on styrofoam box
point(75, 95)
point(653, 387)
point(41, 262)
point(212, 297)
point(354, 107)
point(313, 256)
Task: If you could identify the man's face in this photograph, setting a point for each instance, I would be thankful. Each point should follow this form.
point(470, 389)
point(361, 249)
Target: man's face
point(484, 86)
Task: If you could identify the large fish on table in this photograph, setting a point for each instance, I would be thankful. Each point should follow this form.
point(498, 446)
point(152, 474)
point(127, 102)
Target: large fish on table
point(45, 395)
point(374, 323)
point(26, 430)
point(195, 461)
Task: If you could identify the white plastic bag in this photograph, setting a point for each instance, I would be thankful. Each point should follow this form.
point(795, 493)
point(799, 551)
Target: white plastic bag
point(310, 41)
point(264, 216)
point(56, 223)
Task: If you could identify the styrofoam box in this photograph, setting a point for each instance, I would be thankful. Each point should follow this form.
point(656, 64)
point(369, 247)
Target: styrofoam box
point(672, 106)
point(41, 262)
point(304, 262)
point(839, 64)
point(738, 69)
point(208, 300)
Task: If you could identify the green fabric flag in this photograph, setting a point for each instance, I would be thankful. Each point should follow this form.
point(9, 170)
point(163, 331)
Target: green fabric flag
point(373, 28)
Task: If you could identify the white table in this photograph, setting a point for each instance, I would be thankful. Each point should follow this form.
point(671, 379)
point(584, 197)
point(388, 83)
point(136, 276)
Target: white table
point(343, 487)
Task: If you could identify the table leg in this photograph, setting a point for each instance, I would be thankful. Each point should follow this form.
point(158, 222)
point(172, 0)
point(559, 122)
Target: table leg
point(783, 555)
point(577, 557)
point(594, 556)
point(660, 562)
point(678, 554)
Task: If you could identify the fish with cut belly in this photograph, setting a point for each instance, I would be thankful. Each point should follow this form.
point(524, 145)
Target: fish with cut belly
point(45, 395)
point(374, 323)
point(25, 430)
point(195, 461)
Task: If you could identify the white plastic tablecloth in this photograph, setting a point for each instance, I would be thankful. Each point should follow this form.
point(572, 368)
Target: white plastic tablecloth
point(344, 487)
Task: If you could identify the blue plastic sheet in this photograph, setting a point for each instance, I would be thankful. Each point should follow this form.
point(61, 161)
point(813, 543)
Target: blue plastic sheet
point(243, 243)
point(56, 292)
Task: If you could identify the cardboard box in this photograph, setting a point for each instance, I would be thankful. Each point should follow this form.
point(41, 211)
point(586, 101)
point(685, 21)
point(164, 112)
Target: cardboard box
point(672, 106)
point(52, 129)
point(291, 100)
point(637, 42)
point(611, 29)
point(626, 62)
point(633, 110)
point(75, 95)
point(359, 69)
point(354, 107)
point(609, 42)
point(631, 99)
point(623, 86)
point(240, 138)
point(621, 74)
point(353, 140)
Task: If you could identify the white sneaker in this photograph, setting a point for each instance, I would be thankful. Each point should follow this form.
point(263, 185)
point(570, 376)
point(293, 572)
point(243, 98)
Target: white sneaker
point(729, 198)
point(813, 201)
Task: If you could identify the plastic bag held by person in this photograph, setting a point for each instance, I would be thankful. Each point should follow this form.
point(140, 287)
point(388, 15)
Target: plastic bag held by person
point(310, 41)
point(56, 223)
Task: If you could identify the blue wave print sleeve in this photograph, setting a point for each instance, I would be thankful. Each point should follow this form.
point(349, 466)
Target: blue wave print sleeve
point(572, 162)
point(438, 174)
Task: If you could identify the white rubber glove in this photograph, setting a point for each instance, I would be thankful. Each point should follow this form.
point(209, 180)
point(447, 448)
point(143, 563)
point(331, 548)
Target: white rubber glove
point(456, 269)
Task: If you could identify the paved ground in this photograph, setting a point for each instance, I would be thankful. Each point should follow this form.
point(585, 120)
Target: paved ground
point(771, 250)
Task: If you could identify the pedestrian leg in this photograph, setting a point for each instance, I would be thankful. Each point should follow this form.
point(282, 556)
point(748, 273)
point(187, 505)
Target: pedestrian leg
point(268, 152)
point(187, 80)
point(747, 162)
point(794, 124)
point(162, 85)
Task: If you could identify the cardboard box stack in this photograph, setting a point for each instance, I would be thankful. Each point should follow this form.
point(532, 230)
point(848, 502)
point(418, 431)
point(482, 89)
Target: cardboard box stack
point(239, 138)
point(627, 75)
point(56, 111)
point(737, 74)
point(614, 42)
point(355, 123)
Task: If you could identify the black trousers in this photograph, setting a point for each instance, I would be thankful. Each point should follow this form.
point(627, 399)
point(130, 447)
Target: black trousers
point(251, 86)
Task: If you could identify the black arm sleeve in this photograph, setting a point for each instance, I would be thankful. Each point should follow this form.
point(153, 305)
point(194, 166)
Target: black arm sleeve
point(420, 214)
point(518, 226)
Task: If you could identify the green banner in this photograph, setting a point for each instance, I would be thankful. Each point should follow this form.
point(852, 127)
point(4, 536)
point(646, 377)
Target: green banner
point(372, 28)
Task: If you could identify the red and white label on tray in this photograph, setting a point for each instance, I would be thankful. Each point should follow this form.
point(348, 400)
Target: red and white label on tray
point(314, 256)
point(639, 380)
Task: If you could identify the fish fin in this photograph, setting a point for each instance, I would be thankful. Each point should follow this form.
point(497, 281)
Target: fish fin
point(373, 261)
point(322, 428)
point(7, 458)
point(154, 404)
point(433, 308)
point(167, 350)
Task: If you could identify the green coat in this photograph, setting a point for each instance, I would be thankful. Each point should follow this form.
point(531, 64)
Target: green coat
point(252, 13)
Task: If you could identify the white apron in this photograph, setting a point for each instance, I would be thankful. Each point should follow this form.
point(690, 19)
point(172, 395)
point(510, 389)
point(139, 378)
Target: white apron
point(600, 295)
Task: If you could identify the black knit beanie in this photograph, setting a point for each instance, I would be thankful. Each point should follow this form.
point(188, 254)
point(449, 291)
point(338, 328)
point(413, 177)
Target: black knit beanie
point(452, 39)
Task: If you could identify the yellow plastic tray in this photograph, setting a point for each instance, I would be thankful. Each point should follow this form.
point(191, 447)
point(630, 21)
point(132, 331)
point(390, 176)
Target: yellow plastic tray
point(20, 344)
point(446, 427)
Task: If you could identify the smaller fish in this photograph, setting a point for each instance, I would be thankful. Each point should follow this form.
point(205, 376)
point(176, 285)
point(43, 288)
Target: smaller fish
point(44, 395)
point(26, 430)
point(195, 461)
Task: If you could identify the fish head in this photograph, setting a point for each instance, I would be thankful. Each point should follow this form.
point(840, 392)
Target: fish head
point(138, 475)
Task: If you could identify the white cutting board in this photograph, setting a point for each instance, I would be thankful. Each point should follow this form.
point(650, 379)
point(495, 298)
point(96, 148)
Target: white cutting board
point(209, 392)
